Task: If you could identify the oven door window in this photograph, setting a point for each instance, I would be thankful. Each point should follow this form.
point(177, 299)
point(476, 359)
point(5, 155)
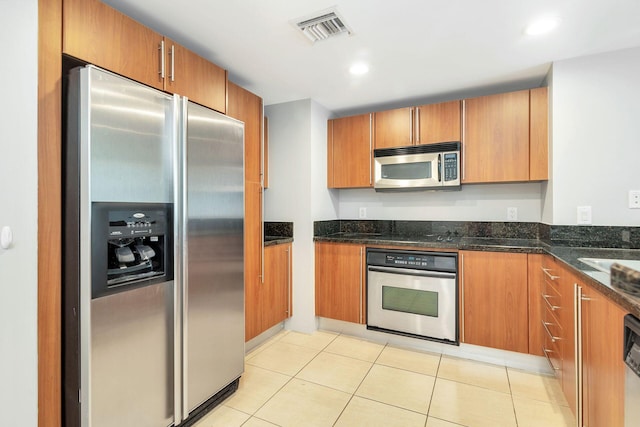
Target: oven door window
point(413, 301)
point(413, 170)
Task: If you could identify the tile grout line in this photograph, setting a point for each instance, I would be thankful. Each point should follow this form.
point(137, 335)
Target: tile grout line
point(433, 390)
point(513, 404)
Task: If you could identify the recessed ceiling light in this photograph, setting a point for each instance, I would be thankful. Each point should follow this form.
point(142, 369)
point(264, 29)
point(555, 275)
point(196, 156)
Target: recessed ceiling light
point(541, 26)
point(359, 69)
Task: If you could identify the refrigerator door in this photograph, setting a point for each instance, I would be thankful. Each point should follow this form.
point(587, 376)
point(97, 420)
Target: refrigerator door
point(213, 303)
point(119, 359)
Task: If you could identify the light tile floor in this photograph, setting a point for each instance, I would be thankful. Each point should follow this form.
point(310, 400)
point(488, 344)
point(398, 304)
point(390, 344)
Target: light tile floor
point(328, 379)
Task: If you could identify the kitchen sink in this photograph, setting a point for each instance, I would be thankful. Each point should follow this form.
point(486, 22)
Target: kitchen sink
point(604, 264)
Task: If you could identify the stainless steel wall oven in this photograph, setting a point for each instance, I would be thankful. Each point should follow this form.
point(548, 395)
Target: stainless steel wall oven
point(413, 293)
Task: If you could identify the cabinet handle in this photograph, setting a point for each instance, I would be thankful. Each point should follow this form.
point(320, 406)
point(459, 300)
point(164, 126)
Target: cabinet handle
point(549, 275)
point(411, 125)
point(261, 193)
point(577, 331)
point(161, 49)
point(553, 339)
point(546, 354)
point(551, 306)
point(173, 63)
point(417, 125)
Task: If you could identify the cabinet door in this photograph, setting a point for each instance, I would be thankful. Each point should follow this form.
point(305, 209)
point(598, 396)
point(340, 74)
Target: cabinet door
point(494, 289)
point(190, 75)
point(349, 152)
point(339, 276)
point(539, 135)
point(99, 34)
point(438, 122)
point(535, 277)
point(603, 367)
point(568, 284)
point(277, 277)
point(265, 153)
point(496, 138)
point(247, 107)
point(253, 259)
point(394, 128)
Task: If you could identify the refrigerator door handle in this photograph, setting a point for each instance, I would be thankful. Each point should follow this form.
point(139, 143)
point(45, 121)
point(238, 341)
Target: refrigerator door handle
point(184, 254)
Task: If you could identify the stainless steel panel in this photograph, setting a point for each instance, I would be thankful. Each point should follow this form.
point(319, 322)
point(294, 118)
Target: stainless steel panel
point(131, 367)
point(214, 285)
point(129, 138)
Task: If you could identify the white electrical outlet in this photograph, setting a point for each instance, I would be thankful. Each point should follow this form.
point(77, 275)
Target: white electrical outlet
point(512, 214)
point(634, 199)
point(584, 215)
point(362, 214)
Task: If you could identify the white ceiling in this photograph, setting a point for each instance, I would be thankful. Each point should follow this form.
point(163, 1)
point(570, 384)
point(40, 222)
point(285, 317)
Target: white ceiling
point(416, 49)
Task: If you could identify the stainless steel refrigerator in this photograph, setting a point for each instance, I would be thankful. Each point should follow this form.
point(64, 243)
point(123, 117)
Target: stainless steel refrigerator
point(153, 274)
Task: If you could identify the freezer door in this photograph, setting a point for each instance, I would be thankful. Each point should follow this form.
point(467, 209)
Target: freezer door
point(213, 182)
point(129, 130)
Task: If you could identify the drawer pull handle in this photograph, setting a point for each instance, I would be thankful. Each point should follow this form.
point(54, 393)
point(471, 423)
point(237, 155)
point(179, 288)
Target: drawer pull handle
point(549, 275)
point(553, 339)
point(546, 354)
point(551, 306)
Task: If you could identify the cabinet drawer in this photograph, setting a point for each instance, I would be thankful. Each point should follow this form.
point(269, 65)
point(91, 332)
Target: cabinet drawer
point(551, 326)
point(553, 352)
point(551, 299)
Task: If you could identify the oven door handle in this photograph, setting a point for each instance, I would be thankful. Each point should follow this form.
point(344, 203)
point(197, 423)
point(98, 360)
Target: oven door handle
point(410, 272)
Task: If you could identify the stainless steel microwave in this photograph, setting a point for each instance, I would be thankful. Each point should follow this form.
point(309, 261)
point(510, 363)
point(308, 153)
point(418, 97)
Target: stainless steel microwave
point(418, 167)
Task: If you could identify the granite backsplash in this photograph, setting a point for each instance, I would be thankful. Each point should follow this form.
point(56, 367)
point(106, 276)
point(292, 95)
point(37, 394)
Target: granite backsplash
point(278, 229)
point(557, 235)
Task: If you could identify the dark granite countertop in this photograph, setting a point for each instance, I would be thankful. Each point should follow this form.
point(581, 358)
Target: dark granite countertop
point(567, 254)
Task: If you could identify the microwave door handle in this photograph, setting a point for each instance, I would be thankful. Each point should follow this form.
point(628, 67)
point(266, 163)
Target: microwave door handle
point(439, 167)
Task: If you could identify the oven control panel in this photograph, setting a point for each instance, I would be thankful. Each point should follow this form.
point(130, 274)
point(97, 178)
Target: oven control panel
point(415, 260)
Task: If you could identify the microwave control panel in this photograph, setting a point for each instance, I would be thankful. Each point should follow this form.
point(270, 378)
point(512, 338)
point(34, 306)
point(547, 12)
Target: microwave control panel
point(450, 166)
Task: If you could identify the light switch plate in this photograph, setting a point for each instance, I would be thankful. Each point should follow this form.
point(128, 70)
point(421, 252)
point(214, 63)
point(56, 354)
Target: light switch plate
point(362, 213)
point(584, 215)
point(512, 214)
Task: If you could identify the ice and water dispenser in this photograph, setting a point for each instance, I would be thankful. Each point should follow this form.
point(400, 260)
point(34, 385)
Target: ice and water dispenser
point(132, 246)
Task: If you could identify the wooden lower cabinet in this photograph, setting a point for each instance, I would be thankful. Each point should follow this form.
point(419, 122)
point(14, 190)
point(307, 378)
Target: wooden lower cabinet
point(268, 302)
point(495, 300)
point(252, 257)
point(535, 280)
point(339, 281)
point(602, 365)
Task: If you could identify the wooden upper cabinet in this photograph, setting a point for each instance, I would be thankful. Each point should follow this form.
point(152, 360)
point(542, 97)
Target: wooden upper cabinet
point(495, 295)
point(247, 107)
point(495, 146)
point(190, 75)
point(349, 152)
point(265, 153)
point(425, 124)
point(100, 35)
point(438, 122)
point(394, 128)
point(539, 134)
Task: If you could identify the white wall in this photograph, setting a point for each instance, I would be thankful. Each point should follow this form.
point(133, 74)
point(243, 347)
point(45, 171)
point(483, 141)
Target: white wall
point(478, 202)
point(297, 192)
point(596, 137)
point(18, 209)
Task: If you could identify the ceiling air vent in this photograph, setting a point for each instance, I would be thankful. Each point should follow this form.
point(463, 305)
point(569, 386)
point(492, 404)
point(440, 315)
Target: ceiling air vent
point(323, 25)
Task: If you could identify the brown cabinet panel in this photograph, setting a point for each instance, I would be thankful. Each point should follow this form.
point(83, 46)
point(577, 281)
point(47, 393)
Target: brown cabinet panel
point(393, 128)
point(568, 282)
point(438, 122)
point(252, 258)
point(603, 367)
point(265, 153)
point(339, 281)
point(534, 270)
point(247, 107)
point(349, 152)
point(190, 75)
point(539, 135)
point(99, 34)
point(495, 300)
point(277, 285)
point(496, 138)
